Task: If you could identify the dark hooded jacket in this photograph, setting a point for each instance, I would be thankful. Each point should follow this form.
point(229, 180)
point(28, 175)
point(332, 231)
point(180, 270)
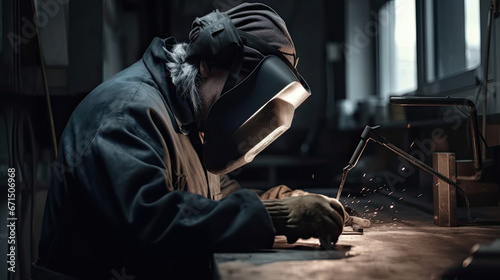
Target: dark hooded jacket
point(129, 195)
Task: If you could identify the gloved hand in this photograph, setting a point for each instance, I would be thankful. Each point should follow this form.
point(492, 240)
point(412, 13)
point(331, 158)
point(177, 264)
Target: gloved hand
point(282, 191)
point(307, 216)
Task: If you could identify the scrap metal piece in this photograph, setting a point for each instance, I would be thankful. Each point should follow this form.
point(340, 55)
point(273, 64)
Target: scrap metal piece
point(357, 228)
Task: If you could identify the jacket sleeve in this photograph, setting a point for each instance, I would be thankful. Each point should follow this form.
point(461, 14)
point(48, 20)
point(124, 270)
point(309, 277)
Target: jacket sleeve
point(129, 181)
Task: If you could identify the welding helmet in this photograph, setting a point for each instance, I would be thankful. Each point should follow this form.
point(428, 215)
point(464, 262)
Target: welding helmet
point(248, 116)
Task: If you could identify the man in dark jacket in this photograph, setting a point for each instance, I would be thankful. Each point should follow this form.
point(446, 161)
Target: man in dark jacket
point(130, 195)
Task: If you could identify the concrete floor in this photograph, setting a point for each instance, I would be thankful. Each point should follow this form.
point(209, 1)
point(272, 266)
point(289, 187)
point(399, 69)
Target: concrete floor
point(402, 243)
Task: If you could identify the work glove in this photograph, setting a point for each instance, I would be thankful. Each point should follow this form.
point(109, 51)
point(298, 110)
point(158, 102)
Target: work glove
point(282, 191)
point(349, 220)
point(307, 216)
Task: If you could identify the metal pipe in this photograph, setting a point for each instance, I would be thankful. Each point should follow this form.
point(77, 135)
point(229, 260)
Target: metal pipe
point(450, 101)
point(344, 177)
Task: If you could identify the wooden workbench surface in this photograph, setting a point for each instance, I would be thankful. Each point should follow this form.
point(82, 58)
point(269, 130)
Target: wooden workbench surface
point(402, 243)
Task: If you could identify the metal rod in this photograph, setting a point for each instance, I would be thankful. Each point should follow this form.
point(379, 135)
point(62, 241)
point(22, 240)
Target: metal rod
point(485, 78)
point(344, 177)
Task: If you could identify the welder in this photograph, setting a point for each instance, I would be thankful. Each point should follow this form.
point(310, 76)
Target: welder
point(139, 187)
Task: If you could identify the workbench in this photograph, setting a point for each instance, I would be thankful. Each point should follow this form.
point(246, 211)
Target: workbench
point(401, 243)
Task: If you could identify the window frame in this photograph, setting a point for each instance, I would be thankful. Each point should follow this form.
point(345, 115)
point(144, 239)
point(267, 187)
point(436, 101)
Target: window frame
point(455, 83)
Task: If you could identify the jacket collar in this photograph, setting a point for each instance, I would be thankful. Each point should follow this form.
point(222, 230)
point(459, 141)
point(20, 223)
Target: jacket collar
point(155, 58)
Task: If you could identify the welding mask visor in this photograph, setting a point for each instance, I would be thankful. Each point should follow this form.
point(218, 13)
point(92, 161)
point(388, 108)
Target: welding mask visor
point(251, 115)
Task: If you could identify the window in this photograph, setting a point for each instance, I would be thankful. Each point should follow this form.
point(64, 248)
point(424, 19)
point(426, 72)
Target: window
point(451, 45)
point(452, 37)
point(397, 48)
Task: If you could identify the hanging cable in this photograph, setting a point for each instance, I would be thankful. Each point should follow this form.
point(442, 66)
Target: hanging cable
point(44, 79)
point(479, 132)
point(26, 166)
point(485, 75)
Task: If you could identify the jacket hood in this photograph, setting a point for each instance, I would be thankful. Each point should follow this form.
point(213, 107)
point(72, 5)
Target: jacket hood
point(155, 58)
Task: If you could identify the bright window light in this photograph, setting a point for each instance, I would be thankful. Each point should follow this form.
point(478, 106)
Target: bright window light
point(472, 34)
point(397, 48)
point(452, 38)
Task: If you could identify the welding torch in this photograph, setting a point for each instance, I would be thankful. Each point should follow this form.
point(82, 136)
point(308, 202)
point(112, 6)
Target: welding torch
point(365, 136)
point(369, 133)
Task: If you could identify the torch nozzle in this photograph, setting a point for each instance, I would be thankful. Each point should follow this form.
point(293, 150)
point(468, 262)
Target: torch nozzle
point(344, 177)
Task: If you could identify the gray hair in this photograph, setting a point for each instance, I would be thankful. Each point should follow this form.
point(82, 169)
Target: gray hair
point(184, 75)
